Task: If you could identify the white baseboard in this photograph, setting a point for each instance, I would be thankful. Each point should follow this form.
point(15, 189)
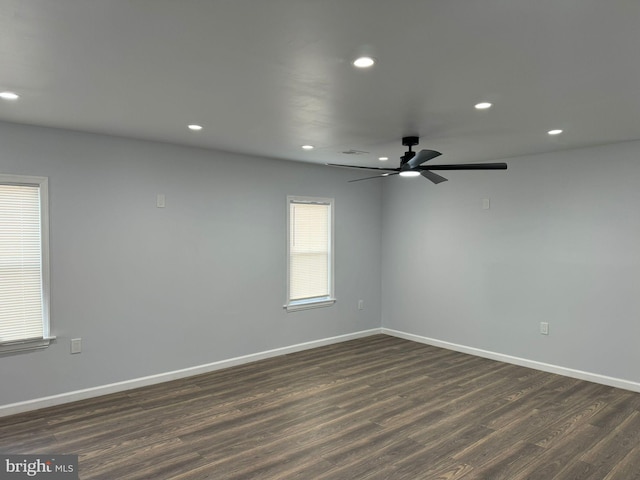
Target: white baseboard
point(523, 362)
point(68, 397)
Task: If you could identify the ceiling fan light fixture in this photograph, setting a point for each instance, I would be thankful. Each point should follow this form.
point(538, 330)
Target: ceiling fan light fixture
point(410, 173)
point(363, 62)
point(9, 95)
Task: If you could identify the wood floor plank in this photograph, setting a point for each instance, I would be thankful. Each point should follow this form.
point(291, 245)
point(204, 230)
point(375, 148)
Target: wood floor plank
point(615, 445)
point(507, 464)
point(627, 468)
point(564, 457)
point(373, 408)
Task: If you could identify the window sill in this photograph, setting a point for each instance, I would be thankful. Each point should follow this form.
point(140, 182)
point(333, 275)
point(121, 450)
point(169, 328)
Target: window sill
point(24, 345)
point(306, 305)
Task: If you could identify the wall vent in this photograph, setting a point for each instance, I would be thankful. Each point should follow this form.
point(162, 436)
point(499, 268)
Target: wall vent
point(354, 152)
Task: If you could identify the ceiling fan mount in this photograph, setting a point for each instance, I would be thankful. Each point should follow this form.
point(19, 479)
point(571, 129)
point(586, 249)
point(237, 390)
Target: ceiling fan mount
point(410, 141)
point(411, 164)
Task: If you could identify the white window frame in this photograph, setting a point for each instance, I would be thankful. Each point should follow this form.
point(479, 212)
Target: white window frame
point(316, 302)
point(35, 343)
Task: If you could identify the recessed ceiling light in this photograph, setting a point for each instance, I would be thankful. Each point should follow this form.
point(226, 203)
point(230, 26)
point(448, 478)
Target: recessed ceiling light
point(554, 132)
point(409, 173)
point(363, 62)
point(483, 105)
point(9, 95)
point(195, 127)
point(307, 147)
point(383, 159)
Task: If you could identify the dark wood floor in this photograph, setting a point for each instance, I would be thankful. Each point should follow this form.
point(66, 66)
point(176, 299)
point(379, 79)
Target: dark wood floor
point(373, 408)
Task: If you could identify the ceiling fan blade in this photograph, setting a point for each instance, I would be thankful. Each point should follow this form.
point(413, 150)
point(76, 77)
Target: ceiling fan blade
point(434, 177)
point(466, 166)
point(421, 157)
point(377, 176)
point(365, 168)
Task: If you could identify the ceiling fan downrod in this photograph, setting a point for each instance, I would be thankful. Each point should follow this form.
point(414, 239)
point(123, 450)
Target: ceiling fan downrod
point(409, 154)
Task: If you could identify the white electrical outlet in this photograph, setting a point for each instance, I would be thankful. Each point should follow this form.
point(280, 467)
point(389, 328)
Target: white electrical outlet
point(360, 304)
point(486, 203)
point(160, 200)
point(544, 328)
point(76, 345)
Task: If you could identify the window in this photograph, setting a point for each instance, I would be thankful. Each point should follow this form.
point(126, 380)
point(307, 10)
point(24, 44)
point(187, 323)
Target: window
point(309, 252)
point(24, 263)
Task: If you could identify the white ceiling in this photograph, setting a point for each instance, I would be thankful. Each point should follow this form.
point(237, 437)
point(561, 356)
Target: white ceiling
point(267, 76)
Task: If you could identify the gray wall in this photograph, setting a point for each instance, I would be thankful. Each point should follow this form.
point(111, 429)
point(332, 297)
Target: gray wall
point(560, 243)
point(154, 290)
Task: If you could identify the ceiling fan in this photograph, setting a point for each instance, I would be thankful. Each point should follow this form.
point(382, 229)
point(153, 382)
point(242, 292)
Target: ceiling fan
point(411, 164)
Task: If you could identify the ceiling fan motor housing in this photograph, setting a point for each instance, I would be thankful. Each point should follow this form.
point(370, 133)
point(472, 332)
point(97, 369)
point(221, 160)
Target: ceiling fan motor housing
point(406, 157)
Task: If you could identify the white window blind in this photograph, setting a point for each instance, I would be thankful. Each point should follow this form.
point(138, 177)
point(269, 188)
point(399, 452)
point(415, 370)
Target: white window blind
point(23, 297)
point(310, 252)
